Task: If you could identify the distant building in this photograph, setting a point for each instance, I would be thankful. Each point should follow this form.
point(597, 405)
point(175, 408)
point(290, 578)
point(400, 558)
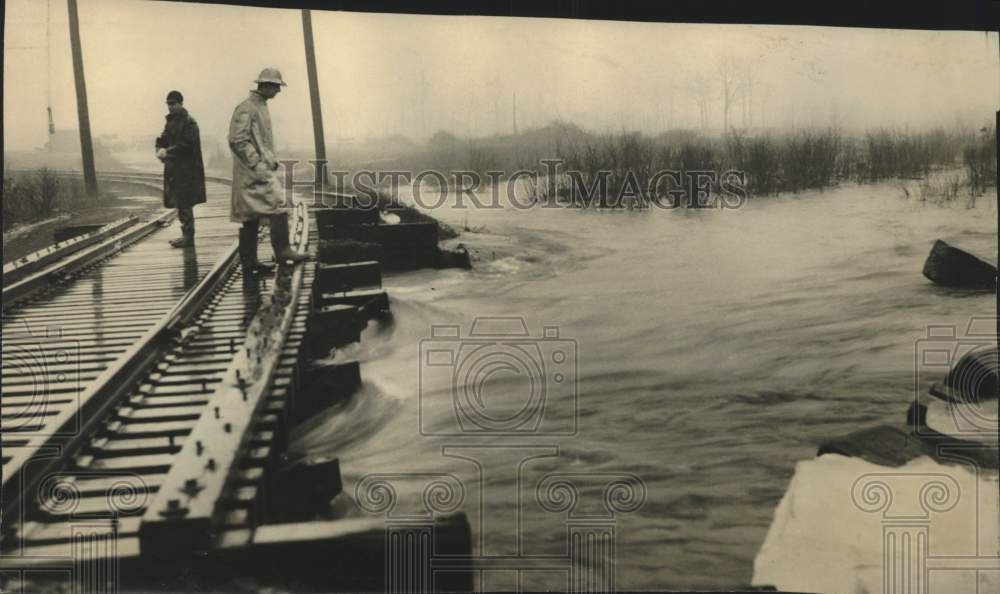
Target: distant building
point(112, 142)
point(67, 142)
point(62, 151)
point(63, 141)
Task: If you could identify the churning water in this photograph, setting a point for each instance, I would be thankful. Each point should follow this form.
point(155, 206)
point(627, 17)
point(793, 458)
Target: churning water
point(714, 349)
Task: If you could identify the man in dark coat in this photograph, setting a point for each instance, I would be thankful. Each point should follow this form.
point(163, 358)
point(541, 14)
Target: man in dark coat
point(179, 148)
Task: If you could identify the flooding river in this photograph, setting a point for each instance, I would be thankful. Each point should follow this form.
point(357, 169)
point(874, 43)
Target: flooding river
point(713, 350)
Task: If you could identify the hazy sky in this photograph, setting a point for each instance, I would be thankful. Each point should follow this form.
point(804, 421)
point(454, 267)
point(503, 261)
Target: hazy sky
point(600, 74)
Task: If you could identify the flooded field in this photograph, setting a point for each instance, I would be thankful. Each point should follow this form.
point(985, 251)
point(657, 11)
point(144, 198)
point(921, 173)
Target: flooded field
point(715, 348)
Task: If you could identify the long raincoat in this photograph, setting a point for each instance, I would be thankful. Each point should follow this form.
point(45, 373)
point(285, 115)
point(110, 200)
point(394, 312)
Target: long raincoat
point(256, 189)
point(183, 169)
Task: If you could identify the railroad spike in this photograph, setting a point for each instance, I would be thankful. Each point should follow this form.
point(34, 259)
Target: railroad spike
point(174, 509)
point(199, 369)
point(191, 487)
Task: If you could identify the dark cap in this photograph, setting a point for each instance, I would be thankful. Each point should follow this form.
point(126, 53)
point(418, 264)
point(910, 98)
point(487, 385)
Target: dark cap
point(175, 96)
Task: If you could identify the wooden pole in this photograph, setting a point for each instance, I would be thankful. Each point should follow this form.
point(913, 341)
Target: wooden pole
point(317, 110)
point(83, 114)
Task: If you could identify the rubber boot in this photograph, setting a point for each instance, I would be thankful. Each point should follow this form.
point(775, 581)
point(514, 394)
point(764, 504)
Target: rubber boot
point(248, 250)
point(186, 218)
point(283, 251)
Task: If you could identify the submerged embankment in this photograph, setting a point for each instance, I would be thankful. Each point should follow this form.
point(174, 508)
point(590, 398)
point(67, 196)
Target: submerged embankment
point(715, 349)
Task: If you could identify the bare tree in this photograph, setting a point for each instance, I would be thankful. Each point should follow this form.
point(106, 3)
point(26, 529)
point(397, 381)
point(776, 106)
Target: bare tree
point(728, 70)
point(766, 93)
point(471, 112)
point(664, 121)
point(670, 89)
point(748, 80)
point(700, 88)
point(835, 116)
point(670, 106)
point(422, 102)
point(493, 88)
point(657, 110)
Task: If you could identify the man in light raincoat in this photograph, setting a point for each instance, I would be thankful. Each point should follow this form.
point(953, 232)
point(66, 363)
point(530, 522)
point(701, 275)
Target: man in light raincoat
point(256, 190)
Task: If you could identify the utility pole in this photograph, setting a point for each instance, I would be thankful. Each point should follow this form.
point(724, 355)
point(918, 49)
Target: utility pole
point(83, 114)
point(514, 112)
point(317, 109)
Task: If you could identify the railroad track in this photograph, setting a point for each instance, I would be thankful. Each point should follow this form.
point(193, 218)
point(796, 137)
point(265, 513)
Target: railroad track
point(50, 267)
point(65, 324)
point(147, 396)
point(112, 359)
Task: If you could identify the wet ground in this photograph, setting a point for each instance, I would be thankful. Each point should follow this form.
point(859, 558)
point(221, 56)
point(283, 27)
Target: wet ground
point(119, 201)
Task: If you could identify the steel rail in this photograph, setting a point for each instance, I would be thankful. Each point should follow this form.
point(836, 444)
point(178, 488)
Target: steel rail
point(71, 427)
point(41, 269)
point(38, 260)
point(138, 176)
point(19, 290)
point(67, 430)
point(187, 507)
point(26, 276)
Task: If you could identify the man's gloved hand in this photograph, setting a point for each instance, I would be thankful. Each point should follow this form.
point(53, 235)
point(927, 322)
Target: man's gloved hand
point(161, 154)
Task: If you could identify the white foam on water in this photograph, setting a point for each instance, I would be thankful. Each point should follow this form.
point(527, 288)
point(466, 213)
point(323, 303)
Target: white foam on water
point(507, 265)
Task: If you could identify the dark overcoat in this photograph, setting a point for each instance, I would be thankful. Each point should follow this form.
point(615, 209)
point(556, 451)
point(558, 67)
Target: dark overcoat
point(183, 168)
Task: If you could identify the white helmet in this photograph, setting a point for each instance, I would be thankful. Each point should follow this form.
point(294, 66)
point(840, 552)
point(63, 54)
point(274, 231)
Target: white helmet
point(270, 75)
